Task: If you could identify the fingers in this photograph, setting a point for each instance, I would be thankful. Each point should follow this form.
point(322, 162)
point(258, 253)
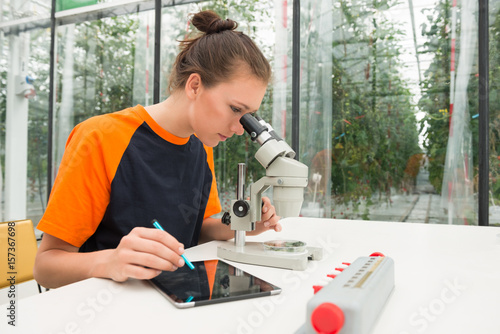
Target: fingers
point(137, 272)
point(144, 253)
point(160, 236)
point(151, 261)
point(152, 253)
point(268, 210)
point(269, 217)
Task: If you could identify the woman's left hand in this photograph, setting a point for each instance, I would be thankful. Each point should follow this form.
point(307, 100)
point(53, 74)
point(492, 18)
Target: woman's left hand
point(270, 221)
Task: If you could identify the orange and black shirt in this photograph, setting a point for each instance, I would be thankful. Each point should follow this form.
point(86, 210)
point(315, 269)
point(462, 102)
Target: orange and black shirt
point(120, 171)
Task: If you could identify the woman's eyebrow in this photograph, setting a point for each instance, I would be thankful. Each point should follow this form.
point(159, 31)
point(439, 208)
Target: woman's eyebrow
point(244, 106)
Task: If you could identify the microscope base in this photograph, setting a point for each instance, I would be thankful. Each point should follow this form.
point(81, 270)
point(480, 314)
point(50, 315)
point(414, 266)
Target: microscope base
point(254, 253)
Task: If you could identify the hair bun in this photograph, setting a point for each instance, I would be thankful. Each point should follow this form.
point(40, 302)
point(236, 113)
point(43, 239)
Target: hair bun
point(210, 23)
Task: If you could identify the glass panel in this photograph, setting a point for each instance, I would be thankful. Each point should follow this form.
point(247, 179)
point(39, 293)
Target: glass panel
point(102, 66)
point(457, 187)
point(395, 152)
point(15, 9)
point(316, 107)
point(255, 19)
point(24, 89)
point(494, 34)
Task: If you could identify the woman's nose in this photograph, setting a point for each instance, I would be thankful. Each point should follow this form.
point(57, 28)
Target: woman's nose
point(237, 128)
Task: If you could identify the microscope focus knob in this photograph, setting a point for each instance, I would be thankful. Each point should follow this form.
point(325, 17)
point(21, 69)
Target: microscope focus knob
point(241, 208)
point(226, 218)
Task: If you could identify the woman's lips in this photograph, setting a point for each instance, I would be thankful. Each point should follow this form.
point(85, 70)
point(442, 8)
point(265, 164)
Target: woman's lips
point(222, 138)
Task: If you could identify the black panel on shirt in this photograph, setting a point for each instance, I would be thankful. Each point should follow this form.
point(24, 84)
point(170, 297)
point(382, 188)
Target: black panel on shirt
point(156, 180)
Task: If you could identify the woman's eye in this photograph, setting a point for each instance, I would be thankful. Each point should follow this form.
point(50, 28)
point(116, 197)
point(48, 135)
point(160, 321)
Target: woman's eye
point(235, 109)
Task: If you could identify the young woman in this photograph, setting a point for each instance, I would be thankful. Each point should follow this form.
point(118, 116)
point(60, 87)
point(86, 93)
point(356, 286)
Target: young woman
point(122, 170)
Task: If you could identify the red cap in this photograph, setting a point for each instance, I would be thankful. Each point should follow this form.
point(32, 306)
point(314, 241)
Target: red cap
point(377, 254)
point(317, 288)
point(327, 318)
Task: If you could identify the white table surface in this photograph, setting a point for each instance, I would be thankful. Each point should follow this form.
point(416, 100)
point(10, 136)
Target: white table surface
point(447, 280)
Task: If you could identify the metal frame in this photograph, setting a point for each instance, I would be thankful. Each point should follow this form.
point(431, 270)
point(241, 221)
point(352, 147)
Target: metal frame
point(50, 141)
point(484, 115)
point(157, 57)
point(296, 77)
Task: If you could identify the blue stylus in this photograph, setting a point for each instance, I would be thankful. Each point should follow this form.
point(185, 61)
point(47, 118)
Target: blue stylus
point(158, 226)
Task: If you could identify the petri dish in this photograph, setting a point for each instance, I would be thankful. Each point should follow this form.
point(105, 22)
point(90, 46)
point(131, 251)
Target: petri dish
point(285, 246)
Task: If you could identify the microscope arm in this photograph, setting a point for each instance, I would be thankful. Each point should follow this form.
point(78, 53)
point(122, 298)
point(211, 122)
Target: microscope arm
point(288, 178)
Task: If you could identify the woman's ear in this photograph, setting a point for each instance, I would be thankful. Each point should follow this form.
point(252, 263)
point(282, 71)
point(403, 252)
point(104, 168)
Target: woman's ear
point(193, 86)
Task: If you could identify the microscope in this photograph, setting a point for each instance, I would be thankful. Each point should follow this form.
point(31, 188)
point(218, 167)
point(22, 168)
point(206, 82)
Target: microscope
point(288, 178)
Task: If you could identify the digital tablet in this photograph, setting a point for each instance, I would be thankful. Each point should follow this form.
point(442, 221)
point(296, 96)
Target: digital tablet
point(210, 282)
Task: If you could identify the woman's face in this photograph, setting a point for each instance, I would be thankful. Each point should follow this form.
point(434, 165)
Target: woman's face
point(217, 111)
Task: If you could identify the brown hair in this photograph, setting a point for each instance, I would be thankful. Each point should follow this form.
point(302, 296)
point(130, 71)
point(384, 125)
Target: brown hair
point(216, 53)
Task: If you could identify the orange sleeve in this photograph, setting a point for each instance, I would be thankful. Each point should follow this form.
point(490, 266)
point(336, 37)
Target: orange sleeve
point(81, 190)
point(213, 205)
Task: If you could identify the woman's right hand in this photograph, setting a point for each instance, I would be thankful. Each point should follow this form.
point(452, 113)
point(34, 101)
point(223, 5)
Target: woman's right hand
point(143, 254)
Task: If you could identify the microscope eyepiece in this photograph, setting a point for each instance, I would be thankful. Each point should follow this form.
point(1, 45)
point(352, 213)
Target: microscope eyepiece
point(252, 126)
point(262, 132)
point(257, 131)
point(269, 128)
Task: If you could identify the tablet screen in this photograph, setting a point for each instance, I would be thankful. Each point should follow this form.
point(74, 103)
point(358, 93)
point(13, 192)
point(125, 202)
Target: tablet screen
point(211, 281)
